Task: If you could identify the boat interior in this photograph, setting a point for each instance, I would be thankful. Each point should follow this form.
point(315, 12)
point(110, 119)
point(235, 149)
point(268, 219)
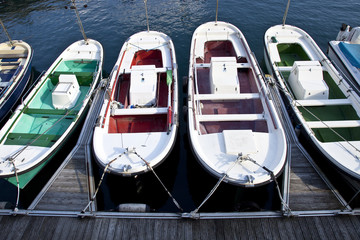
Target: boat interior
point(43, 118)
point(11, 63)
point(143, 94)
point(335, 110)
point(236, 107)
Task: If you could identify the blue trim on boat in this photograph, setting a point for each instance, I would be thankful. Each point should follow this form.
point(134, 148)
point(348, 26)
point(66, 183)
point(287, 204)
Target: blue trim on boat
point(351, 52)
point(16, 93)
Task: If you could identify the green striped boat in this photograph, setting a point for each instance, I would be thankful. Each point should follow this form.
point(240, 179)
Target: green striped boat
point(50, 113)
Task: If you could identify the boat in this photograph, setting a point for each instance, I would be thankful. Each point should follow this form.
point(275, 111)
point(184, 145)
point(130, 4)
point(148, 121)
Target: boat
point(345, 53)
point(15, 73)
point(234, 128)
point(137, 124)
point(47, 117)
point(324, 106)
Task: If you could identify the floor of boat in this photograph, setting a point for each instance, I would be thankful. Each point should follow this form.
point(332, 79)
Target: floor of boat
point(138, 123)
point(292, 53)
point(143, 122)
point(247, 84)
point(40, 120)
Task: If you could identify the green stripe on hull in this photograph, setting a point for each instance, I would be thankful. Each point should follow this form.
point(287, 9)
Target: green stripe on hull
point(25, 178)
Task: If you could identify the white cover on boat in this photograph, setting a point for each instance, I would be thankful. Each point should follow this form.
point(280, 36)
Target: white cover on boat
point(306, 81)
point(239, 141)
point(143, 85)
point(223, 75)
point(66, 92)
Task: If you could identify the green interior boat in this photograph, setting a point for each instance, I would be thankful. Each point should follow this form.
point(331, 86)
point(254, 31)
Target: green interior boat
point(40, 123)
point(289, 53)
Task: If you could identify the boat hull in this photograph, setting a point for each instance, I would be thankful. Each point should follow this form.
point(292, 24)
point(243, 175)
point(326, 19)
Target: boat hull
point(20, 82)
point(345, 67)
point(326, 122)
point(138, 125)
point(43, 123)
point(228, 132)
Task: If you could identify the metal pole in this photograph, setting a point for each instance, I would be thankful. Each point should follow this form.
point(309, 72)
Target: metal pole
point(147, 18)
point(7, 34)
point(286, 12)
point(217, 6)
point(79, 22)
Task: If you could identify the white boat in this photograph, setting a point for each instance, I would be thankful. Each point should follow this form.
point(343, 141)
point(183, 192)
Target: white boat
point(137, 124)
point(345, 53)
point(44, 121)
point(234, 128)
point(323, 103)
point(15, 72)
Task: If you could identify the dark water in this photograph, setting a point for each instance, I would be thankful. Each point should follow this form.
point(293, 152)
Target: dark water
point(50, 28)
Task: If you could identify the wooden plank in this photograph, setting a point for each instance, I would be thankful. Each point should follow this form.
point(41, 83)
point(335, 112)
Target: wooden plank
point(111, 229)
point(278, 229)
point(89, 227)
point(355, 224)
point(59, 229)
point(250, 229)
point(329, 228)
point(230, 229)
point(32, 228)
point(302, 224)
point(18, 229)
point(119, 228)
point(340, 223)
point(48, 227)
point(81, 227)
point(322, 232)
point(6, 224)
point(95, 231)
point(103, 229)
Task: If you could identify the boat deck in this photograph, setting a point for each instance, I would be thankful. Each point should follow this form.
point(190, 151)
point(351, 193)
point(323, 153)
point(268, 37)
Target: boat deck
point(67, 193)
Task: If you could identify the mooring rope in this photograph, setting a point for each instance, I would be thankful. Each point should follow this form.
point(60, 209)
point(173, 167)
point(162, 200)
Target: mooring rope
point(101, 180)
point(286, 206)
point(238, 159)
point(18, 188)
point(153, 171)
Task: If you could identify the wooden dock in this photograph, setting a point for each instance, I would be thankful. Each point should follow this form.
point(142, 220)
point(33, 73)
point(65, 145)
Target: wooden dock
point(56, 212)
point(25, 227)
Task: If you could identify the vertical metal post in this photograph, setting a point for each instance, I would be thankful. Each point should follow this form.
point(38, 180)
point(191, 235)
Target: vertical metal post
point(7, 34)
point(79, 22)
point(286, 12)
point(217, 6)
point(147, 18)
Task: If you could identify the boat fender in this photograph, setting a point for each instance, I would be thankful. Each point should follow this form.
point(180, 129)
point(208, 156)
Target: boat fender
point(133, 207)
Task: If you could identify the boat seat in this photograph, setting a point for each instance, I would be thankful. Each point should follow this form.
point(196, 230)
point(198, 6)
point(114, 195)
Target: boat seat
point(239, 96)
point(229, 117)
point(44, 140)
point(322, 102)
point(51, 111)
point(238, 65)
point(4, 84)
point(139, 111)
point(334, 124)
point(274, 52)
